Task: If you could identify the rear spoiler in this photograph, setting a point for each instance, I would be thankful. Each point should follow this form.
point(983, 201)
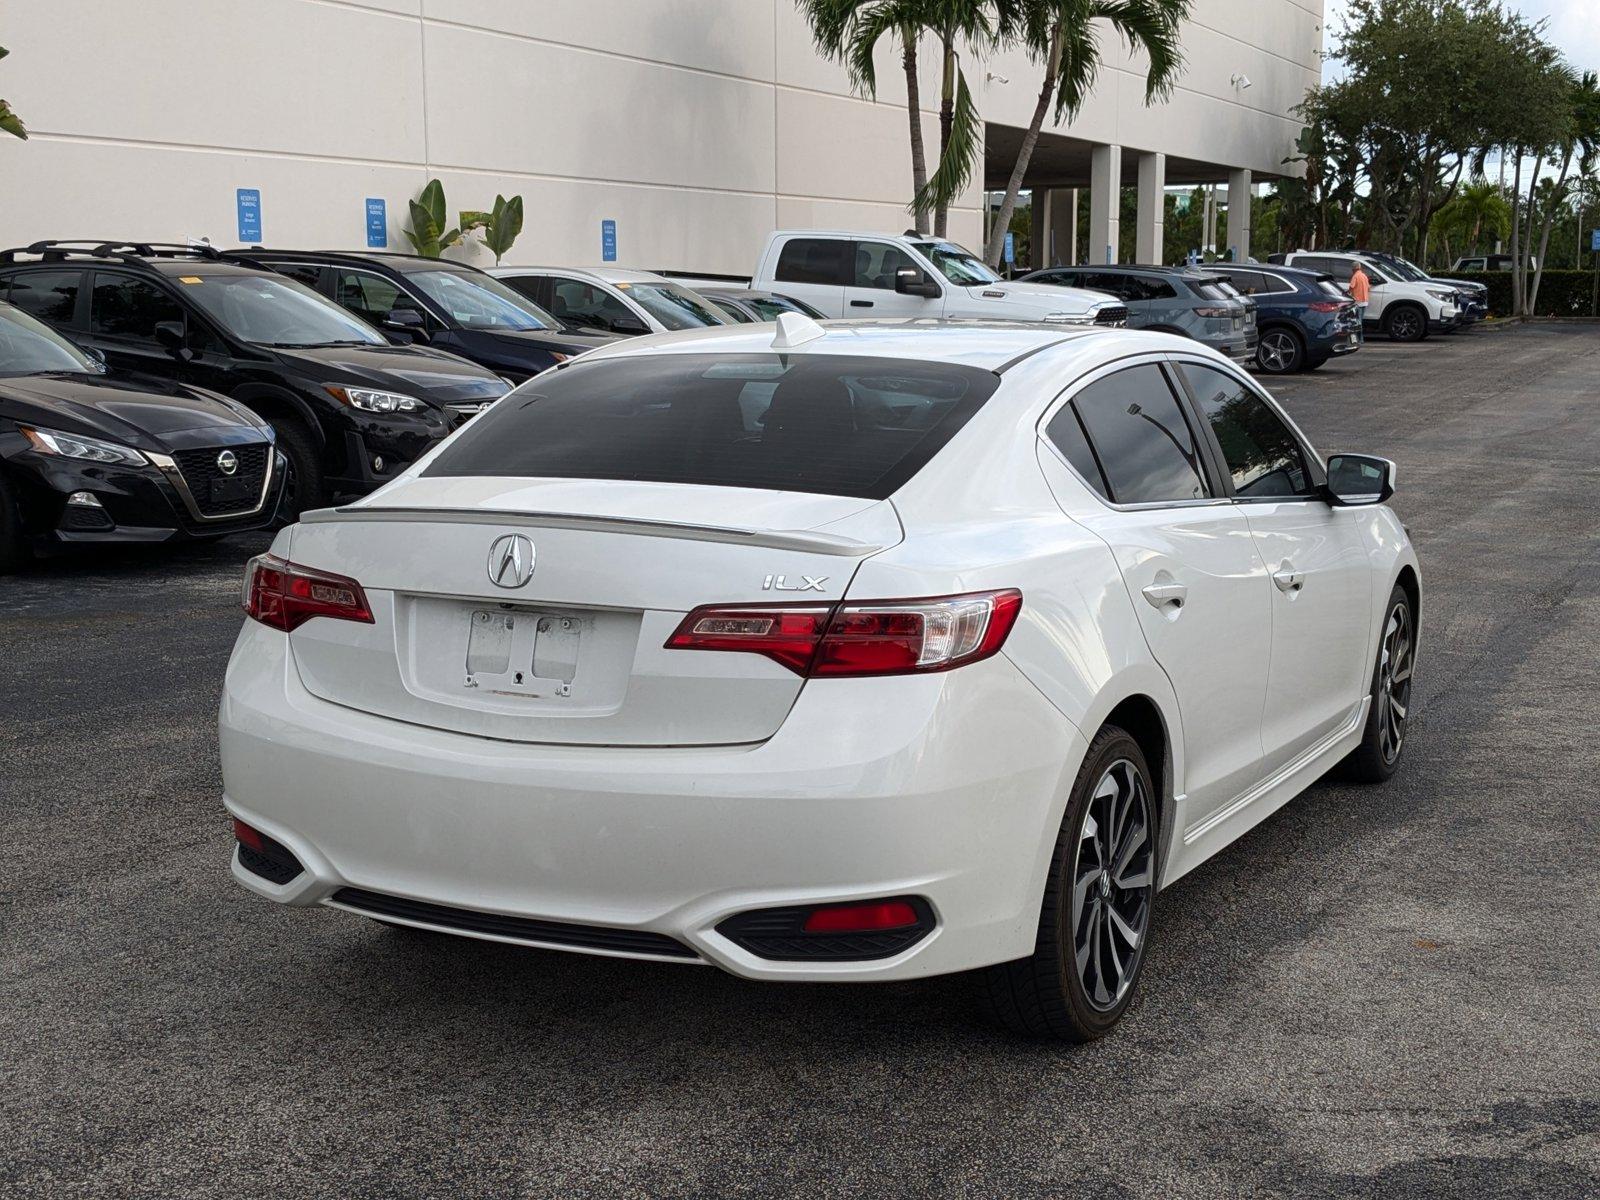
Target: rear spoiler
point(803, 540)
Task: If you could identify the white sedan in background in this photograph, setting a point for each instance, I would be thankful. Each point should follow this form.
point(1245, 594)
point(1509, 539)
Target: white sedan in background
point(860, 653)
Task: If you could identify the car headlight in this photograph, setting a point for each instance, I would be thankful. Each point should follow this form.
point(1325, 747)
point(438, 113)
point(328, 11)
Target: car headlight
point(75, 445)
point(1441, 294)
point(1066, 318)
point(371, 400)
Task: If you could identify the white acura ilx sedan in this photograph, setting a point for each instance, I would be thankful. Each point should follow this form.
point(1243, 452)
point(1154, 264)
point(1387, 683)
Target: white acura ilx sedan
point(845, 652)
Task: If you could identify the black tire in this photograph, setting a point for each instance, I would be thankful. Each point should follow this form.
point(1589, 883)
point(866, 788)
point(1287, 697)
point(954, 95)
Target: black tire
point(14, 552)
point(1281, 350)
point(1405, 323)
point(1383, 738)
point(1048, 994)
point(303, 487)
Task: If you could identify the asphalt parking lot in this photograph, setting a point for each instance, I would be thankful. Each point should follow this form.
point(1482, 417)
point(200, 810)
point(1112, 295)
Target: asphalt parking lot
point(1390, 991)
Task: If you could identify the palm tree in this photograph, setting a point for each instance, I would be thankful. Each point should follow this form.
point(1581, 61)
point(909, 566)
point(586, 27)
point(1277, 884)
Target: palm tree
point(1477, 207)
point(849, 31)
point(9, 121)
point(1061, 35)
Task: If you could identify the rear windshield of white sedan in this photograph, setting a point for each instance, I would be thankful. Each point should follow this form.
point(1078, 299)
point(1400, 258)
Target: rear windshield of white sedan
point(840, 425)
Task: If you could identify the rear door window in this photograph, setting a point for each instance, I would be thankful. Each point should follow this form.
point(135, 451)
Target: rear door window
point(374, 298)
point(1066, 434)
point(586, 306)
point(1141, 438)
point(818, 260)
point(52, 296)
point(833, 424)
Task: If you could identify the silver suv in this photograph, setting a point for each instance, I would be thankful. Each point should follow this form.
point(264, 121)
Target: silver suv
point(1171, 300)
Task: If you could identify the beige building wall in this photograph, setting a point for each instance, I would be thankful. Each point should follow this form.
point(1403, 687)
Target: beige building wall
point(697, 125)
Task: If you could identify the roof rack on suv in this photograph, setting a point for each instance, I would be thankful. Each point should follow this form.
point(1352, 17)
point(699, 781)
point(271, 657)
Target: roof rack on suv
point(130, 253)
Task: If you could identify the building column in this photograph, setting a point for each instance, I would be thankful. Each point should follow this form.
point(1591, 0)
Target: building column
point(1239, 215)
point(1067, 230)
point(1055, 222)
point(1150, 237)
point(1105, 204)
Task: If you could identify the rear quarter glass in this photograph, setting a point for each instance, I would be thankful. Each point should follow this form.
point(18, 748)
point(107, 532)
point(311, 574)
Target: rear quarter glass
point(843, 425)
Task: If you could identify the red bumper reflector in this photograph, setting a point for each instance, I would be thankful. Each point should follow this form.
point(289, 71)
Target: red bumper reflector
point(860, 918)
point(248, 836)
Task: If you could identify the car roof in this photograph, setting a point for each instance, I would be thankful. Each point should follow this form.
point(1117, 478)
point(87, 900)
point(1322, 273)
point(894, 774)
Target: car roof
point(1272, 268)
point(985, 344)
point(393, 260)
point(1184, 272)
point(605, 274)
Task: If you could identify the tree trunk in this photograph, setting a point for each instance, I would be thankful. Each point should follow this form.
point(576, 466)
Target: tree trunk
point(1556, 196)
point(919, 156)
point(1516, 237)
point(997, 236)
point(947, 116)
point(1525, 258)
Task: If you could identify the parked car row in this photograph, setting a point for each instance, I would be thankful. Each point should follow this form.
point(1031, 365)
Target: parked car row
point(1406, 305)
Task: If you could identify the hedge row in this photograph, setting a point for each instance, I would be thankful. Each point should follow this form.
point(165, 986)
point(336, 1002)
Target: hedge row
point(1561, 293)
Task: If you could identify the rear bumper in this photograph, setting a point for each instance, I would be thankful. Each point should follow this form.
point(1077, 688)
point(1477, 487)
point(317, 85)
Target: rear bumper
point(949, 788)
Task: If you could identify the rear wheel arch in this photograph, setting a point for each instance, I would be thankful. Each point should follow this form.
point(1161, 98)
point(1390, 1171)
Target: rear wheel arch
point(1408, 582)
point(1140, 716)
point(275, 403)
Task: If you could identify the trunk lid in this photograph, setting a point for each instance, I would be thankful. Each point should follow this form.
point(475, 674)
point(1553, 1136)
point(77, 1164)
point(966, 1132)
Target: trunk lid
point(575, 654)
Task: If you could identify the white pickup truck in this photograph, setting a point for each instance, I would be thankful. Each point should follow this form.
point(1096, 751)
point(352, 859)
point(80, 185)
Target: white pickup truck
point(882, 275)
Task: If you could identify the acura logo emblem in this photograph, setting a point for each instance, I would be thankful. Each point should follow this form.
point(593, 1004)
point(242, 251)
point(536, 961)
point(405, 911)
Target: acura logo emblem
point(227, 462)
point(510, 561)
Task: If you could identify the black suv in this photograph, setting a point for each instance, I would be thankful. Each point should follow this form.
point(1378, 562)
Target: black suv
point(448, 305)
point(350, 409)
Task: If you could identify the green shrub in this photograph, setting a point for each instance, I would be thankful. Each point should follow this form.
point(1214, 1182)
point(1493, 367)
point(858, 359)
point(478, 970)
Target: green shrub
point(1561, 293)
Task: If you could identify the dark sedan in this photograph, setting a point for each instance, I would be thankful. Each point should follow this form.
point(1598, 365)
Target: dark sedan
point(1304, 318)
point(747, 305)
point(87, 458)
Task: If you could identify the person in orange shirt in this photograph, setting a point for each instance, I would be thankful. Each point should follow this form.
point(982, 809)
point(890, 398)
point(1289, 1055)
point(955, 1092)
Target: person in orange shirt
point(1360, 290)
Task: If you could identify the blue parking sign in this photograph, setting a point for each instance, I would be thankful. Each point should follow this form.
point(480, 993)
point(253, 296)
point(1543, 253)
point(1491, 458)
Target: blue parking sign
point(1011, 247)
point(249, 202)
point(377, 223)
point(1594, 241)
point(608, 241)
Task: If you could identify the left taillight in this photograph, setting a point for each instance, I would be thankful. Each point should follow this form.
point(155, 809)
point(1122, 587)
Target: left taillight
point(286, 595)
point(876, 637)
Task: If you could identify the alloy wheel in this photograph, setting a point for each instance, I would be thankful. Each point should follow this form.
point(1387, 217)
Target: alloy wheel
point(1394, 682)
point(1277, 351)
point(1113, 879)
point(1406, 325)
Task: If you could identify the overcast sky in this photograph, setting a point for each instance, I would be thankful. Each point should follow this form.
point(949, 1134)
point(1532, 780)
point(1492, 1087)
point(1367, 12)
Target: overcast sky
point(1574, 27)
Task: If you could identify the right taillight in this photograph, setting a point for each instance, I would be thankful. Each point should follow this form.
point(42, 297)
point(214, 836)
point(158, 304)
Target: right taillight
point(875, 637)
point(1328, 305)
point(286, 595)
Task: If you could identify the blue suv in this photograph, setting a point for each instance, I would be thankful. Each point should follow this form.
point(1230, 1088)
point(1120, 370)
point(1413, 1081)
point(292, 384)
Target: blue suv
point(1304, 318)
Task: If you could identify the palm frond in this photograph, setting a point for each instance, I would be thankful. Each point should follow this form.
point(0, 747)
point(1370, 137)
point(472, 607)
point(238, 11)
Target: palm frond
point(960, 154)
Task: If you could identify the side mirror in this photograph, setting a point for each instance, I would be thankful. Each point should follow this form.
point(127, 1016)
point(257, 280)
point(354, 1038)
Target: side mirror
point(909, 281)
point(93, 352)
point(629, 324)
point(172, 338)
point(407, 321)
point(1356, 479)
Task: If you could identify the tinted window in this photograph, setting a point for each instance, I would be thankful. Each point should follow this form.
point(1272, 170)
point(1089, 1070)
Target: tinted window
point(674, 305)
point(48, 295)
point(836, 424)
point(1141, 438)
point(129, 308)
point(1208, 291)
point(1145, 287)
point(1272, 285)
point(817, 260)
point(306, 273)
point(1065, 432)
point(1262, 454)
point(772, 307)
point(479, 301)
point(876, 263)
point(373, 297)
point(732, 311)
point(585, 305)
point(1246, 283)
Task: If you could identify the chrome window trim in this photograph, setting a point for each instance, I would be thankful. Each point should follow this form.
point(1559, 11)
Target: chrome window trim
point(169, 468)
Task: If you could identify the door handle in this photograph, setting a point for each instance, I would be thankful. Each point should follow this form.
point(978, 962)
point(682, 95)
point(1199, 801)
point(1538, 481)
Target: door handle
point(1289, 580)
point(861, 304)
point(1168, 596)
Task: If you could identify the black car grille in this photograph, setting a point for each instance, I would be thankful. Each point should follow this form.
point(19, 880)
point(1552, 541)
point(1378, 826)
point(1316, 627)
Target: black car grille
point(1115, 314)
point(527, 929)
point(217, 493)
